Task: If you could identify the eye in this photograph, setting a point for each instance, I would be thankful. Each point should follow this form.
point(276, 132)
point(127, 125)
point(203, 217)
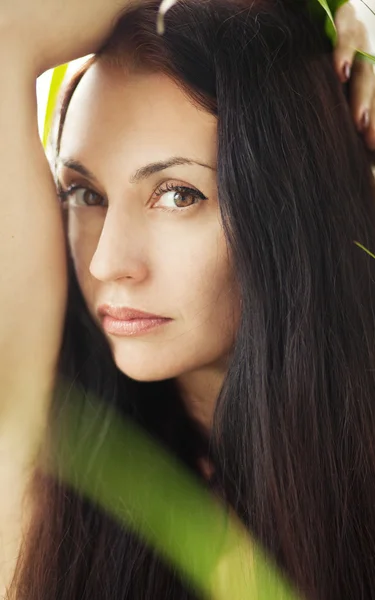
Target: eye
point(77, 195)
point(175, 197)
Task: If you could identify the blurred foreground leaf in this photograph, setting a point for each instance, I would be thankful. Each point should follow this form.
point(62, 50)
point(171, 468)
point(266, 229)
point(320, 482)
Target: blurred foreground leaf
point(135, 480)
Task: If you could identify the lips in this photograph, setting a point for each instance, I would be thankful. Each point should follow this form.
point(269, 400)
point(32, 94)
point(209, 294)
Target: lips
point(122, 321)
point(125, 314)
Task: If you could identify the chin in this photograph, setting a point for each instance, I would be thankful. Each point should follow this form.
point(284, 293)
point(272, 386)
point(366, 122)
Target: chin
point(147, 370)
point(144, 375)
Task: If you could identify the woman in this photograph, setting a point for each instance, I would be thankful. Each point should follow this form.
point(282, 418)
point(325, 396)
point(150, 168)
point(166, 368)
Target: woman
point(210, 177)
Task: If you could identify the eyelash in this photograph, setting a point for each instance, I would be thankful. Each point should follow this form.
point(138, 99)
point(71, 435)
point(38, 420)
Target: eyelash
point(64, 195)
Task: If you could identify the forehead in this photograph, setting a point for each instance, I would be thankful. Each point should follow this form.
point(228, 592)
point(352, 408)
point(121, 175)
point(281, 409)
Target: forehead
point(138, 115)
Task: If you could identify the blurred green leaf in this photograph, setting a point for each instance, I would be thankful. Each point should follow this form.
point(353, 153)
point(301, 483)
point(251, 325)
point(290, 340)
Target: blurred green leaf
point(134, 479)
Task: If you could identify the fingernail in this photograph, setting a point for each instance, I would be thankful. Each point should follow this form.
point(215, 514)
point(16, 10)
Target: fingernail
point(365, 121)
point(347, 70)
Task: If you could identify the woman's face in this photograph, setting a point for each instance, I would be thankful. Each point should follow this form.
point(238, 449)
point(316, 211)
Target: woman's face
point(144, 224)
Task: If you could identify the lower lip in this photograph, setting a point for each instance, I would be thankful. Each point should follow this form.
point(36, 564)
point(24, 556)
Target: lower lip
point(133, 327)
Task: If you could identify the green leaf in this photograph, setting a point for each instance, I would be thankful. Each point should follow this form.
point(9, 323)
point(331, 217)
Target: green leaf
point(114, 463)
point(365, 249)
point(326, 9)
point(56, 82)
point(366, 56)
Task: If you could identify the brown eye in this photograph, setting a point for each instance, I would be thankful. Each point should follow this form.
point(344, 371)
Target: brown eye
point(90, 198)
point(173, 197)
point(182, 199)
point(80, 196)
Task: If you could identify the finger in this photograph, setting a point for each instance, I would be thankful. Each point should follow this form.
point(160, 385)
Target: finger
point(362, 93)
point(350, 33)
point(369, 133)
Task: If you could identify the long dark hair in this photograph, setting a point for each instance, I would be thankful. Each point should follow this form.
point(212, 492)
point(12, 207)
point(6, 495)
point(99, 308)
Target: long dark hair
point(293, 441)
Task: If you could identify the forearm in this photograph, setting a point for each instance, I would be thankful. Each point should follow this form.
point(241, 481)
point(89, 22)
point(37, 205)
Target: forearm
point(32, 254)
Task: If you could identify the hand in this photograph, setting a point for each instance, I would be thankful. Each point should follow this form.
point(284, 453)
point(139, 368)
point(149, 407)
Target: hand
point(44, 33)
point(352, 34)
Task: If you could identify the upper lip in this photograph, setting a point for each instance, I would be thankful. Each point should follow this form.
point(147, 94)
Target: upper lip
point(123, 313)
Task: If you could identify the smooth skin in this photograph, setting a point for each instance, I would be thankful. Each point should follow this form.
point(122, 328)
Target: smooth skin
point(35, 36)
point(140, 242)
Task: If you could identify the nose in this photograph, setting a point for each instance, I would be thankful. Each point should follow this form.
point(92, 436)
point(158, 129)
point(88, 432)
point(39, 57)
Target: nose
point(120, 253)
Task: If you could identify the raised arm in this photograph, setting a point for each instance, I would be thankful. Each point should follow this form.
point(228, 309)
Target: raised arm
point(32, 264)
point(34, 36)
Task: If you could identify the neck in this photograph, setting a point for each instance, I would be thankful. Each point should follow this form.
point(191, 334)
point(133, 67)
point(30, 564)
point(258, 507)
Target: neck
point(199, 391)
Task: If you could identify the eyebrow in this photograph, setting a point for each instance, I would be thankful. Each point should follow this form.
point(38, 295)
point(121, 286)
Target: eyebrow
point(139, 174)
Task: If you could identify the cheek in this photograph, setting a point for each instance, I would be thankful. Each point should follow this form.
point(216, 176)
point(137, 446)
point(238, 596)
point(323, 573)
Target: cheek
point(219, 299)
point(210, 307)
point(204, 282)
